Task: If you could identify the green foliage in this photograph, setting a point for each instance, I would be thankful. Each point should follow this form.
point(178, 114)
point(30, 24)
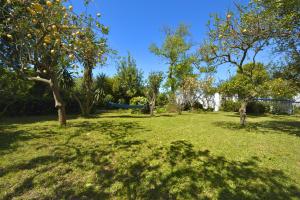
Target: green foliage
point(153, 84)
point(138, 101)
point(162, 99)
point(161, 110)
point(230, 106)
point(128, 82)
point(250, 83)
point(175, 51)
point(255, 107)
point(282, 89)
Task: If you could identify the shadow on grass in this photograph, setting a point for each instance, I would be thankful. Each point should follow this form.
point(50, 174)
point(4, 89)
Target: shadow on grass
point(287, 127)
point(129, 168)
point(249, 115)
point(10, 138)
point(33, 119)
point(139, 116)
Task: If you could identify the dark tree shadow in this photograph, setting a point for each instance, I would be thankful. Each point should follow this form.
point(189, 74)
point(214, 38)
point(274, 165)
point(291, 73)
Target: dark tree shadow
point(278, 126)
point(129, 168)
point(180, 172)
point(139, 116)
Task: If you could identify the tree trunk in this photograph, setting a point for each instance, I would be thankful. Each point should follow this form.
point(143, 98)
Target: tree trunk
point(62, 118)
point(152, 106)
point(88, 93)
point(243, 114)
point(59, 103)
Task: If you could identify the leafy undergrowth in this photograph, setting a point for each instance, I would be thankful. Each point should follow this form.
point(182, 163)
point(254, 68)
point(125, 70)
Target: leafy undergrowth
point(124, 156)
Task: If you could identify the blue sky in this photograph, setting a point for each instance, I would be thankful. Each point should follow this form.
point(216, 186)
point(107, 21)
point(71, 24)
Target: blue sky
point(135, 24)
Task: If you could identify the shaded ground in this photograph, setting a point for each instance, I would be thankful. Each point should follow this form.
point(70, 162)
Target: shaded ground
point(193, 156)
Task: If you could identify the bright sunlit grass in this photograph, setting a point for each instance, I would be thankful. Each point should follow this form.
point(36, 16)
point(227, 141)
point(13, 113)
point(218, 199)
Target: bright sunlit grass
point(125, 156)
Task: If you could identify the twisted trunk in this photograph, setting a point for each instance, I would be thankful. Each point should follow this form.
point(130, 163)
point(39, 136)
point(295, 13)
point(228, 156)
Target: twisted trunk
point(59, 103)
point(152, 106)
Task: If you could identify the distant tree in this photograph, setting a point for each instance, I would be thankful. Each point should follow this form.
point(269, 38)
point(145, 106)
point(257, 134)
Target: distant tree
point(128, 82)
point(105, 85)
point(247, 84)
point(237, 40)
point(175, 51)
point(189, 89)
point(90, 52)
point(152, 90)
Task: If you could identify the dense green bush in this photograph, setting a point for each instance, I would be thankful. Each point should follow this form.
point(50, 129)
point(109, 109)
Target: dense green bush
point(162, 99)
point(37, 106)
point(297, 110)
point(160, 110)
point(257, 108)
point(253, 107)
point(171, 108)
point(230, 106)
point(138, 101)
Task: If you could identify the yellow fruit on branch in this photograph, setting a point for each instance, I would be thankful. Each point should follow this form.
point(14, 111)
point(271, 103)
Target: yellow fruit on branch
point(9, 36)
point(37, 7)
point(71, 56)
point(49, 3)
point(54, 27)
point(47, 39)
point(32, 12)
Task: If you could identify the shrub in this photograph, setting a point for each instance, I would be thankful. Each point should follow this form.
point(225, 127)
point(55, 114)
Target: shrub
point(108, 98)
point(257, 108)
point(121, 101)
point(162, 99)
point(171, 108)
point(230, 106)
point(138, 101)
point(197, 106)
point(297, 110)
point(161, 110)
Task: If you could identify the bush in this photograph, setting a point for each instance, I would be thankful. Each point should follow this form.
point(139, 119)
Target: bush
point(197, 106)
point(162, 99)
point(297, 110)
point(138, 101)
point(160, 110)
point(230, 106)
point(121, 101)
point(257, 108)
point(37, 106)
point(171, 108)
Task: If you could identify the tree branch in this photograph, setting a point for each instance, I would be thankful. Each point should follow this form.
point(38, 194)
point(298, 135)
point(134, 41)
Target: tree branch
point(39, 79)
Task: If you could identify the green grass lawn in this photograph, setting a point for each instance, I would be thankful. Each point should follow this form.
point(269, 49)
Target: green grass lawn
point(125, 156)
